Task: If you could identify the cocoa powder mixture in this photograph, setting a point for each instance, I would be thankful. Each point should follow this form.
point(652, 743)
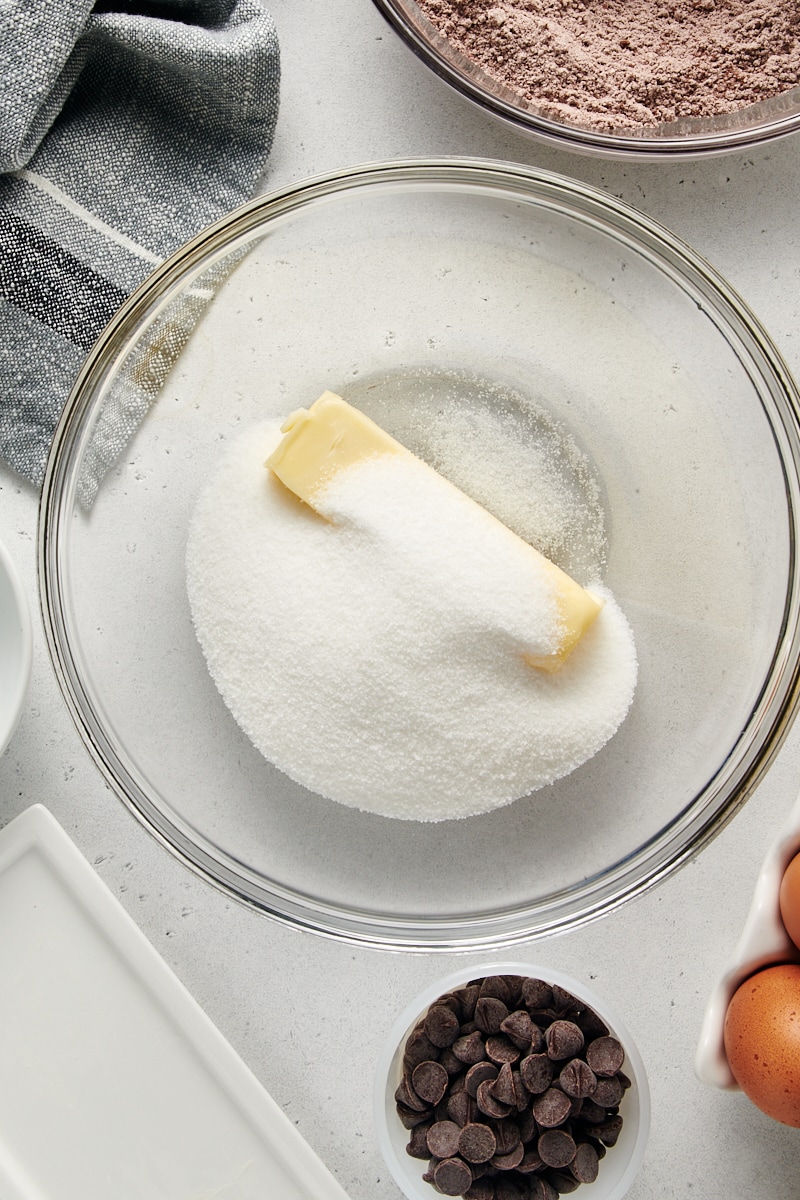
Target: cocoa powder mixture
point(612, 64)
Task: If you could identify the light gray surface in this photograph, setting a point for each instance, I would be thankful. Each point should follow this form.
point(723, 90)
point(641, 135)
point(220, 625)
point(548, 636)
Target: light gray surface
point(287, 1000)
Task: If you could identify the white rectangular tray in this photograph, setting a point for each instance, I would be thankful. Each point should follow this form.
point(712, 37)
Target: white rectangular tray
point(113, 1082)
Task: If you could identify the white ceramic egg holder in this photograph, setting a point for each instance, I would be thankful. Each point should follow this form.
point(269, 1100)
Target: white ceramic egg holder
point(763, 942)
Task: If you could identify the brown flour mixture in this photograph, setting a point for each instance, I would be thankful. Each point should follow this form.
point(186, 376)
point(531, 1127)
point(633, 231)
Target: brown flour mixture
point(622, 63)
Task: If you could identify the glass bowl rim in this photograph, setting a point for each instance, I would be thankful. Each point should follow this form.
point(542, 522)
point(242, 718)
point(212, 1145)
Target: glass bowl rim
point(691, 828)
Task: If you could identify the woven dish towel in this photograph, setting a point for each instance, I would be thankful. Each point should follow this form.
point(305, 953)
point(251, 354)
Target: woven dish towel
point(125, 129)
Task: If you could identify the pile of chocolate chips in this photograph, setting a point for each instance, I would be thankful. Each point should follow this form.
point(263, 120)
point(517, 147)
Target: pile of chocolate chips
point(511, 1090)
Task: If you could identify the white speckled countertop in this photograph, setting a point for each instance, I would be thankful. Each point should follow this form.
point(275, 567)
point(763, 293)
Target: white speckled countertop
point(284, 999)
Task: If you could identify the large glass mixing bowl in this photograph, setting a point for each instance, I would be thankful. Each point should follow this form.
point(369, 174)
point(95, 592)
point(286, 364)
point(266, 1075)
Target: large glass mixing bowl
point(401, 285)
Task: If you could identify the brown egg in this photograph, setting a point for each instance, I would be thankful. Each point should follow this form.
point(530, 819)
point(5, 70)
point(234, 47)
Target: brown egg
point(762, 1041)
point(790, 899)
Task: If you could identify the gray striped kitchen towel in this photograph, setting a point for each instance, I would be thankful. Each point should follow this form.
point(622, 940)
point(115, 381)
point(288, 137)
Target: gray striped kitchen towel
point(125, 128)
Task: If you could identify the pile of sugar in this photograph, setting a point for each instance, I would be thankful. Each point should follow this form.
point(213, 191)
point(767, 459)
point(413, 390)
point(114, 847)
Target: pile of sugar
point(373, 659)
point(505, 449)
point(555, 502)
point(613, 64)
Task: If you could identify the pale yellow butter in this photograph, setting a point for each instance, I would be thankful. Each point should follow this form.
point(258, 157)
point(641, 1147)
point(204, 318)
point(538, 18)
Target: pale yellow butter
point(331, 436)
point(322, 440)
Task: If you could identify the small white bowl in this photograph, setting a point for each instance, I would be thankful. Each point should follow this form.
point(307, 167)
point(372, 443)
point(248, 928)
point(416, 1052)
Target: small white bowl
point(16, 643)
point(617, 1169)
point(763, 942)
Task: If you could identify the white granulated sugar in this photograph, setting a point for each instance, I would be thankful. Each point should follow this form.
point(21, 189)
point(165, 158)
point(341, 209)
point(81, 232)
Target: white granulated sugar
point(554, 503)
point(376, 658)
point(443, 569)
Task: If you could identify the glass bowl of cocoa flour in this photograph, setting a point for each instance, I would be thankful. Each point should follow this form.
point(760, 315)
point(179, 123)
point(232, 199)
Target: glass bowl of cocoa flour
point(629, 78)
point(568, 365)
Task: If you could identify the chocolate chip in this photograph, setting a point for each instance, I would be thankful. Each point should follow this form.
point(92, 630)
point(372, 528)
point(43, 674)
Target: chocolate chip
point(502, 1088)
point(507, 1162)
point(531, 1162)
point(522, 1096)
point(452, 1177)
point(418, 1048)
point(417, 1146)
point(562, 1181)
point(565, 1003)
point(605, 1055)
point(609, 1092)
point(480, 1189)
point(429, 1081)
point(461, 1108)
point(406, 1096)
point(507, 1136)
point(477, 1142)
point(551, 1108)
point(526, 1124)
point(609, 1131)
point(477, 1074)
point(556, 1148)
point(536, 1072)
point(500, 1050)
point(497, 986)
point(442, 1139)
point(490, 1012)
point(428, 1176)
point(487, 1103)
point(520, 1029)
point(468, 997)
point(514, 983)
point(592, 1025)
point(577, 1079)
point(451, 1063)
point(470, 1048)
point(592, 1113)
point(507, 1188)
point(563, 1039)
point(542, 1189)
point(409, 1118)
point(585, 1164)
point(536, 994)
point(442, 1026)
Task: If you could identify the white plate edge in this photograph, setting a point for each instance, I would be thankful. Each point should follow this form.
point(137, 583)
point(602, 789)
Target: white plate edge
point(37, 829)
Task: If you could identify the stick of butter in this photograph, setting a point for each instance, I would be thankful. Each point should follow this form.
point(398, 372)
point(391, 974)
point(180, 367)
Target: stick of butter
point(332, 436)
